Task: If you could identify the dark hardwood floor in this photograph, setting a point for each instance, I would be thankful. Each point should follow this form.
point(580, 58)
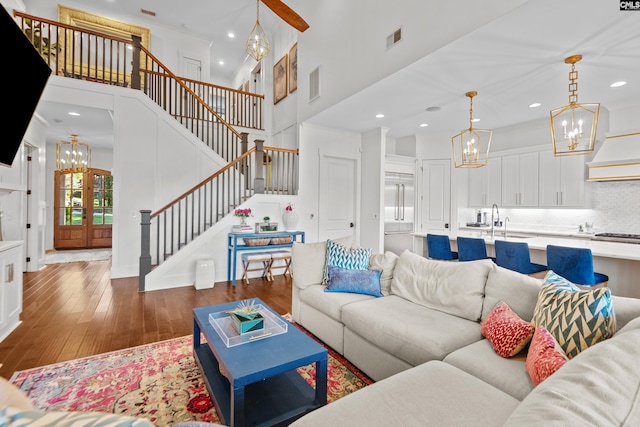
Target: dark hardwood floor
point(75, 310)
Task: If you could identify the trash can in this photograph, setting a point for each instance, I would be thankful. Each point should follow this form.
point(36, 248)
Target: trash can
point(205, 274)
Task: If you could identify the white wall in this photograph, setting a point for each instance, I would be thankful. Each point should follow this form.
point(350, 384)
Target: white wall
point(347, 39)
point(373, 168)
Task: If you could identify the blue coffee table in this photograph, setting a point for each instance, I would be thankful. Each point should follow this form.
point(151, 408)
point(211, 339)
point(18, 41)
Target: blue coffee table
point(260, 385)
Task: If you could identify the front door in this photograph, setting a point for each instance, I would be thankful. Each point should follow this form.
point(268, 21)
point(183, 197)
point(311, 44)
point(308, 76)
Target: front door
point(83, 211)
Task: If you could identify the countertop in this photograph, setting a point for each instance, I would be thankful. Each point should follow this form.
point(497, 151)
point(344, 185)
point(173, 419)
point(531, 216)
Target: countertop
point(626, 251)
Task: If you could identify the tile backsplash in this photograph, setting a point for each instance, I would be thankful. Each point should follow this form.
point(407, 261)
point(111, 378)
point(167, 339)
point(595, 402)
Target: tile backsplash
point(615, 208)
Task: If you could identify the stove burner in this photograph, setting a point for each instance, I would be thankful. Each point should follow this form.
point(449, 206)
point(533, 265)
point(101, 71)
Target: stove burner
point(621, 235)
point(618, 237)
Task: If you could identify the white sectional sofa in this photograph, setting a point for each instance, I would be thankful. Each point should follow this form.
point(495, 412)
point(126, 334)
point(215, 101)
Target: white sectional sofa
point(422, 343)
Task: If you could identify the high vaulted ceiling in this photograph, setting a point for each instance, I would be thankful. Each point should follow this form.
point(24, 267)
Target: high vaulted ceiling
point(512, 62)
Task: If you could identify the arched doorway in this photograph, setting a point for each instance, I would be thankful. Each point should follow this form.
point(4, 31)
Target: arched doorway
point(83, 209)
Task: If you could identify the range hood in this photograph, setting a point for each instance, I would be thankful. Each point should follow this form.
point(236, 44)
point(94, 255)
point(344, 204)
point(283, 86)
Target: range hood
point(617, 159)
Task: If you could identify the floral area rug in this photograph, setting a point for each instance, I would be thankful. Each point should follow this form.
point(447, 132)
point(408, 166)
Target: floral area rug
point(159, 381)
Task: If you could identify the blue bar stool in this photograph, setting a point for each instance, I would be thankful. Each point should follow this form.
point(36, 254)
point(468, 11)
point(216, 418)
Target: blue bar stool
point(439, 247)
point(515, 256)
point(471, 249)
point(575, 265)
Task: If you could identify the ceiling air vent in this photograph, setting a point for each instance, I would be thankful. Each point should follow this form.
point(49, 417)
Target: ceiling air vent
point(394, 38)
point(314, 84)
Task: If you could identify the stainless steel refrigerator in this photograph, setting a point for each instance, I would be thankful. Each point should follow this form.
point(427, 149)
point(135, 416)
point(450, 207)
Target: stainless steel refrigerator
point(399, 201)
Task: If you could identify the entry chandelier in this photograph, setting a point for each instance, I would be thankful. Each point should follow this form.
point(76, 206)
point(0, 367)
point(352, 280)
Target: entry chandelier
point(469, 145)
point(257, 45)
point(573, 127)
point(73, 156)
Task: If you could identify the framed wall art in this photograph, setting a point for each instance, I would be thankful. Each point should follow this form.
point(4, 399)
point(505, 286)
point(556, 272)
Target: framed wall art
point(280, 80)
point(293, 68)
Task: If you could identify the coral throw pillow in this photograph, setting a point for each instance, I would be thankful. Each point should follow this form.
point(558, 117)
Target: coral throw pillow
point(545, 356)
point(506, 331)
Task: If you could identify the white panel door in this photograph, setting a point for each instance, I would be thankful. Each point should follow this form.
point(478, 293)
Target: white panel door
point(435, 200)
point(192, 68)
point(337, 197)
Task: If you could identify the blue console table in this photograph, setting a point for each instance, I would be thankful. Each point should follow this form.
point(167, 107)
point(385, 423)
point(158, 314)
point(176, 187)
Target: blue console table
point(233, 247)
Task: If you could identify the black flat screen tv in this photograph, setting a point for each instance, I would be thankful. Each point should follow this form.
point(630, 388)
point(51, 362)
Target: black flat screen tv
point(23, 75)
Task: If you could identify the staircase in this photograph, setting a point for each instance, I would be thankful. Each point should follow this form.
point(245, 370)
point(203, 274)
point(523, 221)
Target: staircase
point(209, 112)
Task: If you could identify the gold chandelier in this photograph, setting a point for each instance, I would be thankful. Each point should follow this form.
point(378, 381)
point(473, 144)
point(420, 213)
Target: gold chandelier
point(257, 44)
point(468, 146)
point(573, 127)
point(73, 156)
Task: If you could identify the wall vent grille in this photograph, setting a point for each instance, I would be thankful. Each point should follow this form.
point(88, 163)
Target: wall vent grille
point(314, 84)
point(394, 38)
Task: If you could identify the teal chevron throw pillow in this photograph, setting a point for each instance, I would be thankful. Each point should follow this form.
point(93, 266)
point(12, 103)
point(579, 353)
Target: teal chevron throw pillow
point(577, 319)
point(349, 259)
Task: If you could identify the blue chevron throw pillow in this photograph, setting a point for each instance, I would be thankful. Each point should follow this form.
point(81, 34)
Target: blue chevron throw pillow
point(349, 259)
point(577, 319)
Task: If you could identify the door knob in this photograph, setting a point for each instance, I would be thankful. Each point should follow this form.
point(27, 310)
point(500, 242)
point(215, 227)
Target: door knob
point(351, 225)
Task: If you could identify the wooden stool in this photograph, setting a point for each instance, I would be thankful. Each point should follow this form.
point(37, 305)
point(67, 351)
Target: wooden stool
point(263, 257)
point(280, 256)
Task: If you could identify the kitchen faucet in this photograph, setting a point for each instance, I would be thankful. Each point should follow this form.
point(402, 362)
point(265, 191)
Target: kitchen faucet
point(493, 222)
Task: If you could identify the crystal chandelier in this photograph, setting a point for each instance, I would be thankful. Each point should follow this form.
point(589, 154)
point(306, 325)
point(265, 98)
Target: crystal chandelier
point(257, 44)
point(73, 156)
point(573, 127)
point(471, 146)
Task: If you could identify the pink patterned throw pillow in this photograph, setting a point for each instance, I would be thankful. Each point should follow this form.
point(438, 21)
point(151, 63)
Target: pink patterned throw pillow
point(545, 356)
point(506, 331)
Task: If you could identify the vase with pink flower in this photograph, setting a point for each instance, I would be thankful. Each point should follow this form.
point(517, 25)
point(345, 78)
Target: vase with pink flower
point(243, 214)
point(290, 218)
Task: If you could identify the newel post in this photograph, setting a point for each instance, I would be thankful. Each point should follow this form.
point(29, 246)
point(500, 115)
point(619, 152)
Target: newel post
point(258, 182)
point(145, 248)
point(244, 163)
point(135, 62)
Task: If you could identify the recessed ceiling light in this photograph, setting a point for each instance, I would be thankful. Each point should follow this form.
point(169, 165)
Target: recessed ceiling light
point(618, 84)
point(221, 62)
point(379, 116)
point(73, 113)
point(475, 120)
point(535, 105)
point(231, 35)
point(432, 109)
point(424, 125)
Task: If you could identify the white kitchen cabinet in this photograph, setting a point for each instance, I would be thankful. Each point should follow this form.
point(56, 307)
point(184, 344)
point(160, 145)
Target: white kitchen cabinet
point(561, 180)
point(520, 180)
point(10, 286)
point(485, 184)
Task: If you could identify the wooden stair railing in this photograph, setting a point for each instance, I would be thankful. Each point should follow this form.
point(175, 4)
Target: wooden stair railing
point(89, 55)
point(166, 231)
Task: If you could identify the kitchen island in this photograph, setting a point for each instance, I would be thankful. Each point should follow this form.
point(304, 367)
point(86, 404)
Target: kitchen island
point(619, 261)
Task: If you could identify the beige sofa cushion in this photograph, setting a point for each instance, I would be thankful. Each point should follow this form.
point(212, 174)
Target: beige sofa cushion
point(329, 303)
point(385, 263)
point(434, 394)
point(455, 288)
point(308, 259)
point(519, 291)
point(509, 375)
point(409, 331)
point(599, 387)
